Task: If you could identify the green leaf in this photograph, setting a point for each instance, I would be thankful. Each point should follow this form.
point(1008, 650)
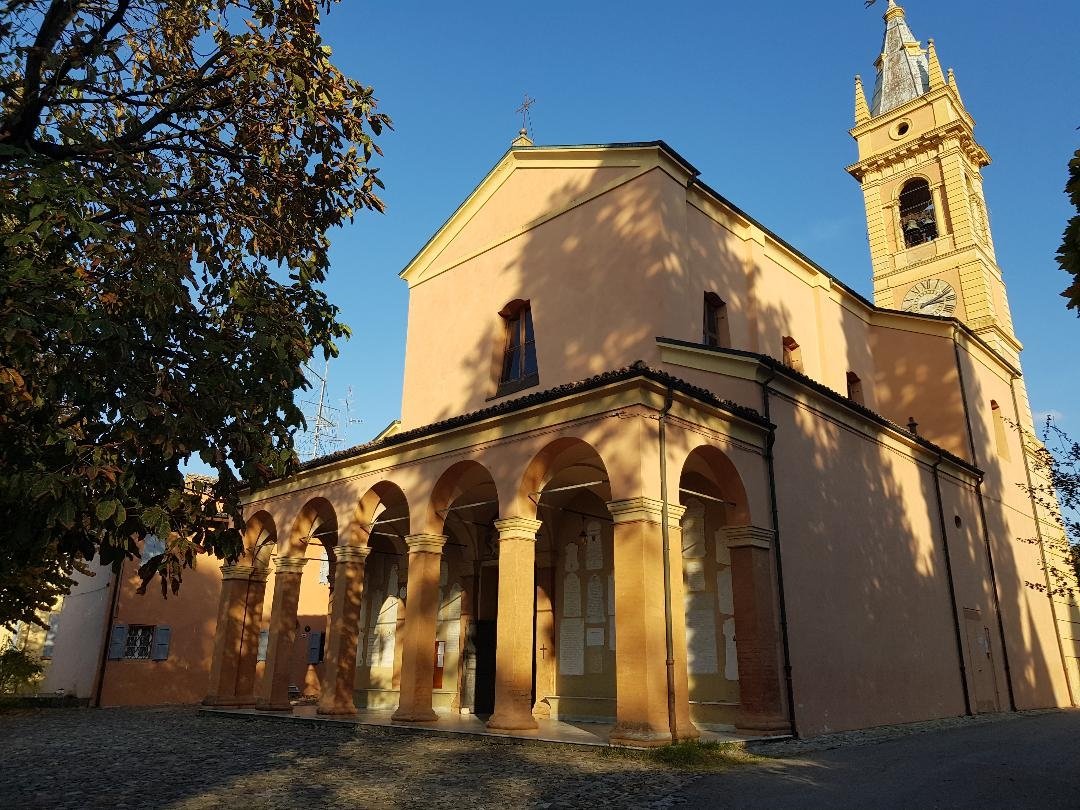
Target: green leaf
point(106, 509)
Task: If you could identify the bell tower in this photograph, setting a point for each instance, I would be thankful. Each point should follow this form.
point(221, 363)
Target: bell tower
point(920, 170)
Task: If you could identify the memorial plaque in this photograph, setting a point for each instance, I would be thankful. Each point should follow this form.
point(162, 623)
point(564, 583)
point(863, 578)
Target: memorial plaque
point(594, 660)
point(611, 632)
point(594, 637)
point(392, 581)
point(594, 549)
point(693, 531)
point(571, 595)
point(570, 559)
point(695, 575)
point(701, 653)
point(723, 553)
point(724, 599)
point(611, 594)
point(572, 647)
point(594, 606)
point(453, 634)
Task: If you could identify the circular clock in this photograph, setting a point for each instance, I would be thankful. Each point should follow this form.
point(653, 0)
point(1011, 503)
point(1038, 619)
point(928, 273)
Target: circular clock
point(930, 297)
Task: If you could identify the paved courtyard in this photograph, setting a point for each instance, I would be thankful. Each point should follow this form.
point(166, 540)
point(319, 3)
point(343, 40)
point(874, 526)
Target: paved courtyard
point(177, 758)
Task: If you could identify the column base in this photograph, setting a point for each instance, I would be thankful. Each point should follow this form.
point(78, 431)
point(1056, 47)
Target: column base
point(229, 701)
point(542, 710)
point(690, 732)
point(762, 725)
point(400, 716)
point(336, 711)
point(268, 706)
point(639, 736)
point(512, 722)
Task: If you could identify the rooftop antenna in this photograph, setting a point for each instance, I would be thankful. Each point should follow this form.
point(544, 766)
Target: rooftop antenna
point(526, 118)
point(327, 426)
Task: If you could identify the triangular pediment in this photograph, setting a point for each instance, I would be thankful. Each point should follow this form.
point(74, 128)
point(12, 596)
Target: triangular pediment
point(529, 186)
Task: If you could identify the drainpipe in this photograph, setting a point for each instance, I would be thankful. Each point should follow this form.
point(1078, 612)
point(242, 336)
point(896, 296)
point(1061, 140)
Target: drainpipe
point(952, 586)
point(770, 466)
point(985, 525)
point(103, 656)
point(666, 535)
point(1038, 535)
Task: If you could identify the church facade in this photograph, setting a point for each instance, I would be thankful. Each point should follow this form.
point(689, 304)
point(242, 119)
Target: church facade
point(655, 466)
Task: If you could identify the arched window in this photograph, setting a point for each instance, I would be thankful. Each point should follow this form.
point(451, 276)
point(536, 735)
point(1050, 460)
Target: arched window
point(917, 213)
point(854, 388)
point(714, 330)
point(519, 368)
point(792, 354)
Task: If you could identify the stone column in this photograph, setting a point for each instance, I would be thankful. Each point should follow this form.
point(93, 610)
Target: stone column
point(229, 636)
point(756, 630)
point(279, 650)
point(514, 641)
point(249, 650)
point(340, 682)
point(641, 664)
point(421, 614)
point(544, 644)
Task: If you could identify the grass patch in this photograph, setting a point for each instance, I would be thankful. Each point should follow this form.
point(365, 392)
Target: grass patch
point(692, 755)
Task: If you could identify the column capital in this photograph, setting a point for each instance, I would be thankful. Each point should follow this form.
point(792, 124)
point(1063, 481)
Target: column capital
point(517, 528)
point(651, 510)
point(290, 565)
point(351, 554)
point(237, 571)
point(425, 543)
point(748, 537)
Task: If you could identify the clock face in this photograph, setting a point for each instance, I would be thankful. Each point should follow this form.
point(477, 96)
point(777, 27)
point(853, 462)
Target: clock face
point(930, 297)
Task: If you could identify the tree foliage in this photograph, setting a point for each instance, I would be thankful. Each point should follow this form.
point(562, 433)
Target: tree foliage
point(169, 170)
point(1055, 491)
point(17, 669)
point(1068, 254)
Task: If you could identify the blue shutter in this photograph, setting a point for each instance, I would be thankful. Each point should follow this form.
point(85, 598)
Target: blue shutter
point(264, 642)
point(162, 635)
point(117, 642)
point(314, 647)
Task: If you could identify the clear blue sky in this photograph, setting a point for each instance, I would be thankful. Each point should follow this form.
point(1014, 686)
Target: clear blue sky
point(758, 96)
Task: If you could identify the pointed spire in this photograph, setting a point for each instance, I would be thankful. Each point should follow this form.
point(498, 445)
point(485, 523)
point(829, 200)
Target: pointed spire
point(862, 112)
point(522, 139)
point(952, 84)
point(902, 67)
point(934, 67)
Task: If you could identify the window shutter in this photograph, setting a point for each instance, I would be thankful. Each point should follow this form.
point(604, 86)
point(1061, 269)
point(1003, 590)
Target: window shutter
point(162, 636)
point(264, 642)
point(117, 642)
point(314, 647)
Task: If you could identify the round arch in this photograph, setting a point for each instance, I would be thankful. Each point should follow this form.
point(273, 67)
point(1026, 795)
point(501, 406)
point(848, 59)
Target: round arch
point(260, 538)
point(708, 473)
point(316, 522)
point(462, 478)
point(565, 464)
point(382, 511)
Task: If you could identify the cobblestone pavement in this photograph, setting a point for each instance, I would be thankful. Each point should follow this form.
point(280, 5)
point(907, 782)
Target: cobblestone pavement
point(176, 758)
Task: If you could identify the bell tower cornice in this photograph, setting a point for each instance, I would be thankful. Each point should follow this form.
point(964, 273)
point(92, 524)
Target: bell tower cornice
point(931, 142)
